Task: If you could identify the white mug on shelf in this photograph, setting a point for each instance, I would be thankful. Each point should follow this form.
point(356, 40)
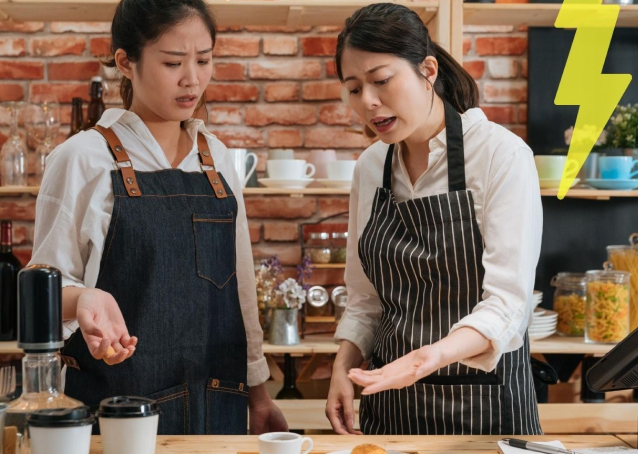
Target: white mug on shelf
point(239, 156)
point(289, 169)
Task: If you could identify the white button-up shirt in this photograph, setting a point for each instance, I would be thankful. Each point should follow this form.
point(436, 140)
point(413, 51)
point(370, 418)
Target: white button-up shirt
point(73, 211)
point(500, 172)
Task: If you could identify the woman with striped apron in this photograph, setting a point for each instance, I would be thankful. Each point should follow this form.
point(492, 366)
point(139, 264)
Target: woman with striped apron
point(439, 315)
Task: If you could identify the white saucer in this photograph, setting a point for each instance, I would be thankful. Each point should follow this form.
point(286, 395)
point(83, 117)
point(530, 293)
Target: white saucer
point(285, 184)
point(550, 183)
point(335, 183)
point(534, 336)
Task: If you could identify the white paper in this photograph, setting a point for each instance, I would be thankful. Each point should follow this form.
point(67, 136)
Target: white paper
point(507, 449)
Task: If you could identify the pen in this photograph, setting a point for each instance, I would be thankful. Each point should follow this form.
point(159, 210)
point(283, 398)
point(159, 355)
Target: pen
point(537, 447)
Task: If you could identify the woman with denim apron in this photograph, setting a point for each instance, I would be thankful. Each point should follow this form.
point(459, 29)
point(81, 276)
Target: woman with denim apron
point(144, 216)
point(446, 216)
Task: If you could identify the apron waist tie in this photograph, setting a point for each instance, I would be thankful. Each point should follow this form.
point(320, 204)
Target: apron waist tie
point(465, 379)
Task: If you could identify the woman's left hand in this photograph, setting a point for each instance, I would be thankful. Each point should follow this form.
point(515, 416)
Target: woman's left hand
point(403, 372)
point(265, 416)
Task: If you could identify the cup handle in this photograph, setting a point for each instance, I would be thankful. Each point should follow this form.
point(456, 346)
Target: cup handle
point(252, 168)
point(308, 439)
point(633, 166)
point(312, 169)
point(571, 167)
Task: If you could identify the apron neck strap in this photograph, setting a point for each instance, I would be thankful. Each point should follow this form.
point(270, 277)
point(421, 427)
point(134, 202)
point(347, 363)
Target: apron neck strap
point(208, 166)
point(455, 152)
point(121, 156)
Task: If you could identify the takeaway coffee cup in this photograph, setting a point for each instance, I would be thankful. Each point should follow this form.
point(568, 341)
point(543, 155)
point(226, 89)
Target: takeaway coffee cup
point(283, 443)
point(289, 169)
point(341, 170)
point(128, 425)
point(61, 430)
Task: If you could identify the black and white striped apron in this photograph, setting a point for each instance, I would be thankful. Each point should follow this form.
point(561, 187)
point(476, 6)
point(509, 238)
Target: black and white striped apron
point(424, 257)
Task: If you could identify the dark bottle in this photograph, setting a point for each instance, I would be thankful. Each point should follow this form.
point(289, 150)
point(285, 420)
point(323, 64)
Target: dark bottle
point(96, 104)
point(9, 267)
point(289, 391)
point(77, 119)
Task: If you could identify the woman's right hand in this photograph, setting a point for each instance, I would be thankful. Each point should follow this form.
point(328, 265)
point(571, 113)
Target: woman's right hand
point(340, 405)
point(103, 326)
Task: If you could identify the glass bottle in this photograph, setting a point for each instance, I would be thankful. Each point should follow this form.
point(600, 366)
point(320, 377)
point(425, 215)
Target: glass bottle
point(290, 390)
point(96, 104)
point(77, 118)
point(42, 121)
point(9, 268)
point(13, 156)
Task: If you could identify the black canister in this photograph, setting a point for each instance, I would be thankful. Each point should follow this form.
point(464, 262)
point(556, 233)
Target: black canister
point(40, 309)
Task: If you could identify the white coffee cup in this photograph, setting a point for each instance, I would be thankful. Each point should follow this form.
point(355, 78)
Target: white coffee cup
point(551, 167)
point(239, 156)
point(341, 170)
point(283, 443)
point(289, 169)
point(128, 425)
point(61, 430)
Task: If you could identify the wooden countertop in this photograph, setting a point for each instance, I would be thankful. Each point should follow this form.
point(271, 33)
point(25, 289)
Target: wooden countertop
point(328, 443)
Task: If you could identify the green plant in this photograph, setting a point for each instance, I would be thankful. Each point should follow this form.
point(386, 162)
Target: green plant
point(623, 127)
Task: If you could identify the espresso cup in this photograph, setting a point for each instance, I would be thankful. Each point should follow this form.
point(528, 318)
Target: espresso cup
point(552, 167)
point(341, 170)
point(128, 425)
point(617, 167)
point(289, 169)
point(283, 443)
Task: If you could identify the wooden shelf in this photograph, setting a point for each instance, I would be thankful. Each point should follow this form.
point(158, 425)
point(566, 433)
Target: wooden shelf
point(292, 13)
point(329, 266)
point(295, 192)
point(531, 14)
point(16, 191)
point(591, 194)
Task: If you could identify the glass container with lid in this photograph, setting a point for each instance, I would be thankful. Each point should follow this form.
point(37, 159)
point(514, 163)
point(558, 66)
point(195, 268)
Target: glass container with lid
point(339, 243)
point(570, 298)
point(607, 309)
point(625, 258)
point(319, 247)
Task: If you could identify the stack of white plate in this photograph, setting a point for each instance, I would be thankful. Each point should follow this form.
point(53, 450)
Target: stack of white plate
point(537, 298)
point(543, 323)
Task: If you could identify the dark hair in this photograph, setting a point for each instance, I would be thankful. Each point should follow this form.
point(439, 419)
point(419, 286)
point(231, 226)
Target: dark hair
point(140, 22)
point(394, 29)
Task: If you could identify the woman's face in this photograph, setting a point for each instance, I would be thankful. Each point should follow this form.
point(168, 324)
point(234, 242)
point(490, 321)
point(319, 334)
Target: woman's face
point(173, 72)
point(386, 92)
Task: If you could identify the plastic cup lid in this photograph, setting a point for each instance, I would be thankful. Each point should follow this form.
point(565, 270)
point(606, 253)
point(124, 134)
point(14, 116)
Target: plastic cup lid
point(127, 407)
point(61, 417)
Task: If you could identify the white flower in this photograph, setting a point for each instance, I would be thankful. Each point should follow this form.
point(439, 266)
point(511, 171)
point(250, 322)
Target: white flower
point(293, 294)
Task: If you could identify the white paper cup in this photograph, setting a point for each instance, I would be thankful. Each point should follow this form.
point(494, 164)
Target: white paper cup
point(61, 431)
point(128, 425)
point(283, 443)
point(341, 170)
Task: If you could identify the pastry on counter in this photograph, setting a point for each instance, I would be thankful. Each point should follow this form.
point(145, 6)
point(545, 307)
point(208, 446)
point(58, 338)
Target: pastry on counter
point(368, 449)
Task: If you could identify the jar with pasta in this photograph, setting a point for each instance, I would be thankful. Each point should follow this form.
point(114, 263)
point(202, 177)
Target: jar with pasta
point(607, 309)
point(570, 297)
point(625, 258)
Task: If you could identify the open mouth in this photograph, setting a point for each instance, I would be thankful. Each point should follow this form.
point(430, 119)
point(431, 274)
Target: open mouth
point(384, 122)
point(187, 98)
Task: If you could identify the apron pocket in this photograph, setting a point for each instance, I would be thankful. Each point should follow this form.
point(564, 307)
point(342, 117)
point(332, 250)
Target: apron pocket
point(174, 416)
point(226, 408)
point(215, 247)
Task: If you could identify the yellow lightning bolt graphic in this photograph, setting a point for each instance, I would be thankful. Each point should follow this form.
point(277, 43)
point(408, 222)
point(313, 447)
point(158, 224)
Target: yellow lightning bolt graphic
point(583, 83)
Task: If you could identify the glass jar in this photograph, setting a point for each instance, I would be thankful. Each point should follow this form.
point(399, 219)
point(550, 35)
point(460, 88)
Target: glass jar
point(340, 306)
point(607, 309)
point(570, 298)
point(319, 247)
point(625, 258)
point(339, 243)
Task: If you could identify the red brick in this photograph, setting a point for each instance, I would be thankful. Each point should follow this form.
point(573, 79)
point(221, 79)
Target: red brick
point(281, 231)
point(23, 254)
point(523, 28)
point(73, 70)
point(287, 91)
point(240, 138)
point(100, 47)
point(230, 71)
point(328, 29)
point(476, 68)
point(12, 47)
point(281, 114)
point(236, 46)
point(20, 235)
point(280, 45)
point(322, 91)
point(331, 68)
point(501, 45)
point(64, 92)
point(229, 28)
point(335, 114)
point(232, 93)
point(334, 138)
point(522, 114)
point(520, 131)
point(276, 29)
point(284, 138)
point(56, 46)
point(21, 27)
point(11, 92)
point(81, 27)
point(500, 114)
point(503, 68)
point(21, 70)
point(18, 210)
point(280, 207)
point(511, 91)
point(3, 138)
point(467, 45)
point(330, 206)
point(287, 254)
point(319, 46)
point(226, 115)
point(254, 229)
point(296, 70)
point(524, 68)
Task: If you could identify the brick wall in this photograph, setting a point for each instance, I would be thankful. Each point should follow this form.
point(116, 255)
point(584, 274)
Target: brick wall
point(272, 88)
